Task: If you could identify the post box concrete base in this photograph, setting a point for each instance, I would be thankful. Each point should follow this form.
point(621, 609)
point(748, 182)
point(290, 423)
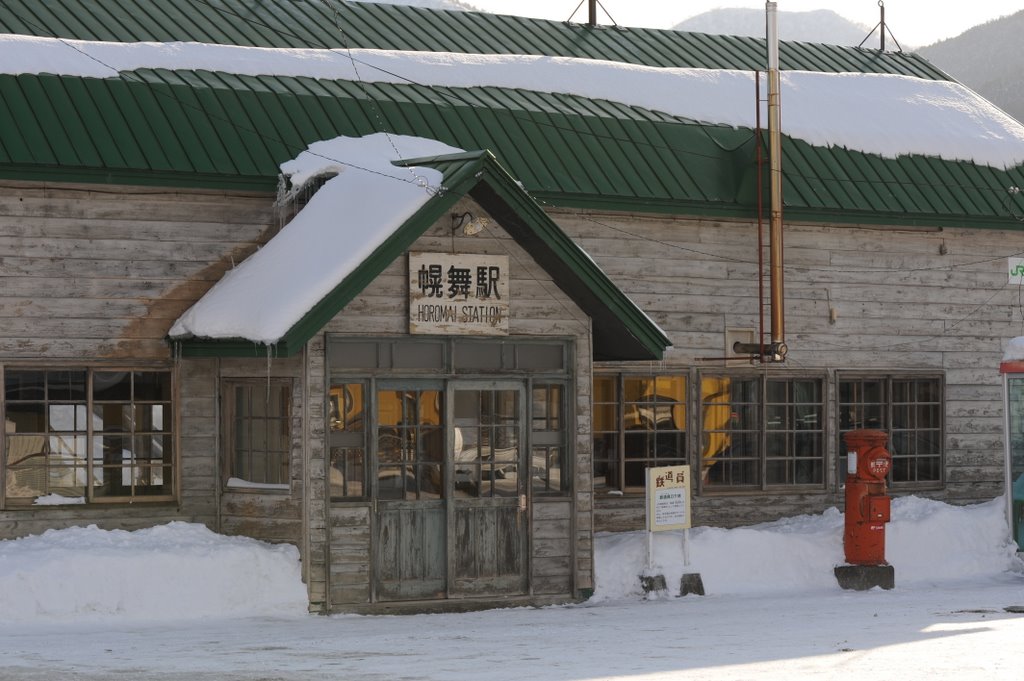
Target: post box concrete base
point(864, 577)
point(651, 583)
point(691, 583)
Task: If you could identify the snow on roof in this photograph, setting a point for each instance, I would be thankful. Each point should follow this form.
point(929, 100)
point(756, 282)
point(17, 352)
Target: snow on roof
point(1014, 350)
point(884, 114)
point(343, 223)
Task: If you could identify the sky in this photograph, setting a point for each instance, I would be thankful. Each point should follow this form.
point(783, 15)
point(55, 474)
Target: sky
point(178, 602)
point(912, 22)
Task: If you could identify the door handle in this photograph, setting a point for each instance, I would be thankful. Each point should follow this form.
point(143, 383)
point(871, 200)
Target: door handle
point(522, 503)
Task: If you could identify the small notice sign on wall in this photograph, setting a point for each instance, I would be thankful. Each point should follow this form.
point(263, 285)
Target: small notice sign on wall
point(668, 498)
point(462, 294)
point(1016, 268)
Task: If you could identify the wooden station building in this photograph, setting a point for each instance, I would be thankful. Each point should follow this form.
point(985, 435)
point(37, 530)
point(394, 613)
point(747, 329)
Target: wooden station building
point(449, 422)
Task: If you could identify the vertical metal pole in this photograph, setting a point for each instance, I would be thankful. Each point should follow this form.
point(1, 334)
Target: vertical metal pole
point(778, 327)
point(592, 6)
point(1008, 451)
point(881, 6)
point(760, 214)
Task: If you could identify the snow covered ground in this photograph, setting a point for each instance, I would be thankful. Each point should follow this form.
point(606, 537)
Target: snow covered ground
point(179, 602)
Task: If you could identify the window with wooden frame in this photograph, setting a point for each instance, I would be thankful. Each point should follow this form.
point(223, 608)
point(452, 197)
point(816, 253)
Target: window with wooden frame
point(910, 409)
point(549, 455)
point(639, 421)
point(762, 432)
point(347, 432)
point(76, 436)
point(257, 433)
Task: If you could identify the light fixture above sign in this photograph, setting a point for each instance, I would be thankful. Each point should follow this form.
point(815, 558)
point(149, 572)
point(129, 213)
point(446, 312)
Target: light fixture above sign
point(470, 224)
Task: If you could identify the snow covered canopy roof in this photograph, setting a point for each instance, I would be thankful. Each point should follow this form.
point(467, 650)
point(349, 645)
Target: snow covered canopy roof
point(280, 296)
point(862, 148)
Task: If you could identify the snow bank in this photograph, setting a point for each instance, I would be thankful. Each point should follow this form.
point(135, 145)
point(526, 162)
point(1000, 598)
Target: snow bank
point(926, 542)
point(174, 571)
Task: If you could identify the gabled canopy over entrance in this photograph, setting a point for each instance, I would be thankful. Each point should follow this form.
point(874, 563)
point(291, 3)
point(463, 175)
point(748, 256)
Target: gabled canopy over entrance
point(258, 307)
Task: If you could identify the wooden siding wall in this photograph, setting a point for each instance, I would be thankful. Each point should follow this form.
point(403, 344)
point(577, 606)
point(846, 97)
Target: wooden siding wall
point(96, 276)
point(904, 299)
point(538, 308)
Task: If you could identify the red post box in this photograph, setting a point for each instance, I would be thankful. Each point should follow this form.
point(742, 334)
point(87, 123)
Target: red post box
point(867, 506)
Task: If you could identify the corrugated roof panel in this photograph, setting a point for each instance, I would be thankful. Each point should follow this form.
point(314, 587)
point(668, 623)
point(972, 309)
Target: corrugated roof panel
point(878, 193)
point(890, 178)
point(39, 124)
point(232, 129)
point(626, 170)
point(78, 133)
point(288, 109)
point(13, 141)
point(180, 107)
point(185, 87)
point(834, 178)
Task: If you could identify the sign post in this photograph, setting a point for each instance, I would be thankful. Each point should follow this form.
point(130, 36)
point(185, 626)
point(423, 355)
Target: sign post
point(668, 508)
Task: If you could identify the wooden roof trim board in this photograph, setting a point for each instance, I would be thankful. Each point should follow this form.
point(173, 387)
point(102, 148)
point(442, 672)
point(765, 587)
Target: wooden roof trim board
point(621, 330)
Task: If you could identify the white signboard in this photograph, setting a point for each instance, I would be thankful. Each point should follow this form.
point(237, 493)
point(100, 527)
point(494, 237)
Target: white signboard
point(463, 294)
point(668, 498)
point(1016, 269)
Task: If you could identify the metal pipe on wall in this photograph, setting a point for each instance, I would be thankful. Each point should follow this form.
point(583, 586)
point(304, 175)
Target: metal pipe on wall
point(778, 326)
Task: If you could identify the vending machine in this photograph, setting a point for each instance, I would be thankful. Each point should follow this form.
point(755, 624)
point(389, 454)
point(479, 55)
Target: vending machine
point(1012, 369)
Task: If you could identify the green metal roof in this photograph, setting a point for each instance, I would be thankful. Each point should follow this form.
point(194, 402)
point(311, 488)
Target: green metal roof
point(202, 129)
point(621, 330)
point(337, 24)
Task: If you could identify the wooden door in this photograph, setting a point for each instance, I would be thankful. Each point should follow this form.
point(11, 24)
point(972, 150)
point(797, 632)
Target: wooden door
point(488, 531)
point(409, 492)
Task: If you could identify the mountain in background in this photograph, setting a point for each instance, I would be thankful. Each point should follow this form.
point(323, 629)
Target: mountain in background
point(817, 26)
point(989, 59)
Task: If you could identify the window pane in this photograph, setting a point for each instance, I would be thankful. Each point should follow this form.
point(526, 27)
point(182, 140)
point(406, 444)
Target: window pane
point(65, 385)
point(348, 472)
point(112, 386)
point(537, 357)
point(152, 386)
point(910, 411)
point(792, 432)
point(346, 407)
point(604, 389)
point(24, 385)
point(652, 423)
point(260, 433)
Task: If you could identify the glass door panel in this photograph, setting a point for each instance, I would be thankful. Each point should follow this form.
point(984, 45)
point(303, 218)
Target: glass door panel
point(409, 487)
point(488, 526)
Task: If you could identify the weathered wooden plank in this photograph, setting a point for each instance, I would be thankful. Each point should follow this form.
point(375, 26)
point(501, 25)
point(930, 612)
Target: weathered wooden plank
point(256, 505)
point(277, 531)
point(559, 584)
point(349, 595)
point(551, 548)
point(198, 228)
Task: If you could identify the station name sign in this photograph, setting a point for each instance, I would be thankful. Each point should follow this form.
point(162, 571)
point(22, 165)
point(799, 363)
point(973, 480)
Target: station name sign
point(458, 294)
